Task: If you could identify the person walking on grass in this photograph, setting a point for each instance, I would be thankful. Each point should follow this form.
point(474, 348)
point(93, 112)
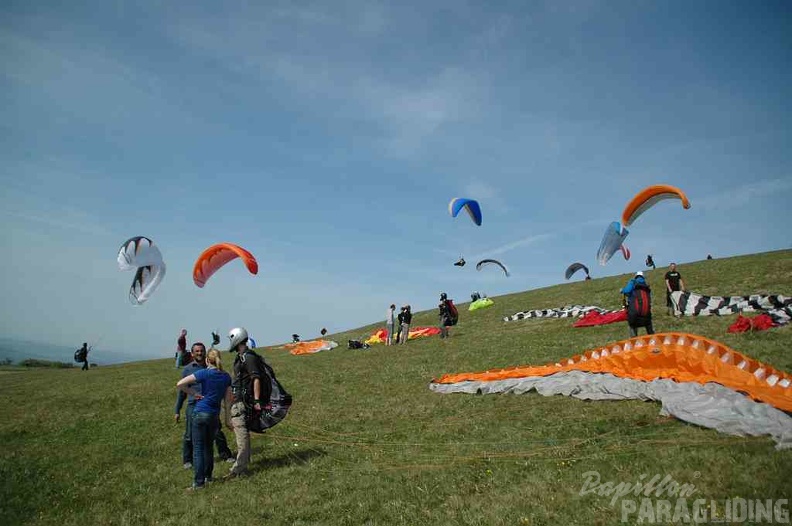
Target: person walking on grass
point(82, 355)
point(198, 363)
point(405, 321)
point(250, 393)
point(390, 320)
point(446, 315)
point(215, 388)
point(639, 304)
point(673, 283)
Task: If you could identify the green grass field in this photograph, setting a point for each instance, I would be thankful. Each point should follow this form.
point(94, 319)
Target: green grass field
point(367, 443)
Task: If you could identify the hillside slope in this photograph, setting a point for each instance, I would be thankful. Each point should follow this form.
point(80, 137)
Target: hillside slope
point(368, 443)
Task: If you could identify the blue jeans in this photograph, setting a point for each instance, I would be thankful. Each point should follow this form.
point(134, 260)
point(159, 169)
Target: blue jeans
point(204, 428)
point(187, 445)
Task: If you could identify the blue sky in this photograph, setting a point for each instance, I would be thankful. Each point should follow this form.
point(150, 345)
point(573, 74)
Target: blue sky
point(328, 137)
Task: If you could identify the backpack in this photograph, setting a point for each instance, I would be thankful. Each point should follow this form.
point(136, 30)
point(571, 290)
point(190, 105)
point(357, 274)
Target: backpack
point(80, 355)
point(452, 312)
point(639, 304)
point(278, 400)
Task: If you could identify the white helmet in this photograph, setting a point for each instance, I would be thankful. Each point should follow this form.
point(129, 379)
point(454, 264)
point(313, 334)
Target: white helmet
point(237, 336)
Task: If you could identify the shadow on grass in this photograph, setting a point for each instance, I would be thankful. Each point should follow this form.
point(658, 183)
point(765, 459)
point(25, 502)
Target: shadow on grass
point(298, 457)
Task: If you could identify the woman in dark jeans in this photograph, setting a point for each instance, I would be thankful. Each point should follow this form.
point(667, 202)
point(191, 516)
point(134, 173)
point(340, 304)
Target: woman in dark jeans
point(215, 387)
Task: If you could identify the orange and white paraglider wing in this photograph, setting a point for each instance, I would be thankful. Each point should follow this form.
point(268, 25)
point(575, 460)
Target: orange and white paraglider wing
point(648, 197)
point(214, 257)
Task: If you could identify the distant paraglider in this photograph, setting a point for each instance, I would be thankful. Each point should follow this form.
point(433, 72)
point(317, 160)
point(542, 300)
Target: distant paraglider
point(486, 262)
point(214, 257)
point(141, 255)
point(616, 232)
point(472, 207)
point(460, 263)
point(574, 267)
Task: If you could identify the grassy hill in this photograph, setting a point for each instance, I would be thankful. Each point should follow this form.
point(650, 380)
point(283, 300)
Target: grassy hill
point(368, 443)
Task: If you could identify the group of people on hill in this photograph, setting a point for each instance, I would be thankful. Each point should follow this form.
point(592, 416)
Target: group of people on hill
point(402, 321)
point(638, 298)
point(397, 327)
point(206, 387)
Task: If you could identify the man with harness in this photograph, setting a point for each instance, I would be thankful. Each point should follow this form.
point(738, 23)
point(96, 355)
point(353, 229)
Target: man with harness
point(250, 395)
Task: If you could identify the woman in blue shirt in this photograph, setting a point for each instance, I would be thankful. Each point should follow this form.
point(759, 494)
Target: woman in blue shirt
point(215, 387)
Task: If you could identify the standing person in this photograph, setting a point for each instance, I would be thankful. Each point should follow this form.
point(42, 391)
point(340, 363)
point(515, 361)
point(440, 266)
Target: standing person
point(650, 262)
point(405, 324)
point(639, 304)
point(181, 348)
point(390, 319)
point(250, 393)
point(82, 356)
point(673, 283)
point(198, 351)
point(215, 387)
point(446, 318)
point(399, 320)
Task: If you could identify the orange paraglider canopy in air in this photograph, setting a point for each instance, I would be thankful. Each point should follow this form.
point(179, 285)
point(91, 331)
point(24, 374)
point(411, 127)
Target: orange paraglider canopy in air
point(218, 255)
point(648, 197)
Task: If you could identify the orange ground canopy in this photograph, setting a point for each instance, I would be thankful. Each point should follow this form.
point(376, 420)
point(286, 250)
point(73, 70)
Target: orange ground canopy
point(677, 356)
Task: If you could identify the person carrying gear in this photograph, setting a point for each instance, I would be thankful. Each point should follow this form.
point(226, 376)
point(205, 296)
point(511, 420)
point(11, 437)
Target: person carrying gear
point(639, 304)
point(250, 390)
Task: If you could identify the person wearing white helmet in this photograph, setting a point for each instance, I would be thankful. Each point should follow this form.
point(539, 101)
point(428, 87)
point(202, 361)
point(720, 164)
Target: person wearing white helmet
point(247, 389)
point(639, 304)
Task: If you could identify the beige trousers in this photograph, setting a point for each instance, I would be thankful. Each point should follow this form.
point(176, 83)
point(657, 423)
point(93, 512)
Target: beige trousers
point(242, 438)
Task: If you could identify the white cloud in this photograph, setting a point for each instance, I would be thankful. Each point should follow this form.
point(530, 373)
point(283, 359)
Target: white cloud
point(744, 194)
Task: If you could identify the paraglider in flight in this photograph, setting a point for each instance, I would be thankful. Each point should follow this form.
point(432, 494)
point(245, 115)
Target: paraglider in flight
point(486, 262)
point(218, 255)
point(611, 241)
point(625, 252)
point(648, 197)
point(141, 255)
point(574, 267)
point(616, 232)
point(460, 263)
point(472, 207)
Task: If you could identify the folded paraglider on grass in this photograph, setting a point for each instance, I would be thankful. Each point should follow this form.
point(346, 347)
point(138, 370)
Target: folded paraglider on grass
point(697, 380)
point(381, 335)
point(777, 306)
point(310, 347)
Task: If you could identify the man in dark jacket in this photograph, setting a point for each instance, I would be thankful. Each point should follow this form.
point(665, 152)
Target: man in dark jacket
point(639, 304)
point(446, 318)
point(251, 394)
point(405, 319)
point(82, 356)
point(674, 283)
